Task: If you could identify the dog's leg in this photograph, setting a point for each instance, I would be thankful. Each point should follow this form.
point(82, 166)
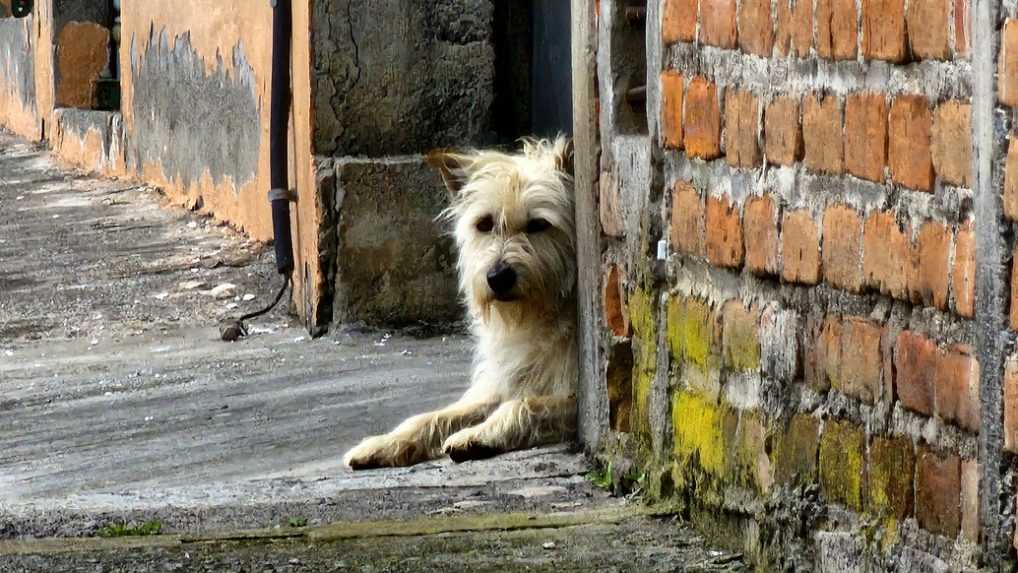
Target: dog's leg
point(418, 438)
point(516, 424)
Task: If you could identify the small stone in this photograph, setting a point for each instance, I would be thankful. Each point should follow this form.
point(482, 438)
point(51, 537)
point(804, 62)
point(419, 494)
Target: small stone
point(225, 290)
point(549, 545)
point(249, 297)
point(192, 225)
point(191, 285)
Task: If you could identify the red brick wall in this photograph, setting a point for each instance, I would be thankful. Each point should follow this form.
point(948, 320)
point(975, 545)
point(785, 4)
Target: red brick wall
point(815, 164)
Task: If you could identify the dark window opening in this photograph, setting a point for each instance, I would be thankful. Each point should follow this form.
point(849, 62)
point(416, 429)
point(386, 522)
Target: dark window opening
point(533, 69)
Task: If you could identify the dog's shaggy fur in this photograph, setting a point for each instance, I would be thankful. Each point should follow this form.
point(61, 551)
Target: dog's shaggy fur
point(514, 227)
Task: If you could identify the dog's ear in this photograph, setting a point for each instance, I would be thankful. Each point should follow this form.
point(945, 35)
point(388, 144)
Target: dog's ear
point(564, 155)
point(451, 165)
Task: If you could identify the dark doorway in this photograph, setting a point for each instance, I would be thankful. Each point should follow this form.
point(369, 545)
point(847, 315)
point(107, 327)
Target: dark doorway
point(533, 69)
point(551, 97)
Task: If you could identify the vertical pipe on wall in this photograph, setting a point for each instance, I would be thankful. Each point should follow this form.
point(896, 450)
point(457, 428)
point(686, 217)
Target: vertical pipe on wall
point(988, 140)
point(592, 397)
point(279, 117)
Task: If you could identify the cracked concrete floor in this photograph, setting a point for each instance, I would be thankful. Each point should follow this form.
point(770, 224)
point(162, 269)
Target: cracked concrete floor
point(119, 403)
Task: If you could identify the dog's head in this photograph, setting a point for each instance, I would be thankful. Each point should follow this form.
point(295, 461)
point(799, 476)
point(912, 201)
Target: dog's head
point(514, 225)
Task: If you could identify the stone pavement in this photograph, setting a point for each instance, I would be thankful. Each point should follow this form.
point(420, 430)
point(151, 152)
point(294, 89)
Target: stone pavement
point(120, 406)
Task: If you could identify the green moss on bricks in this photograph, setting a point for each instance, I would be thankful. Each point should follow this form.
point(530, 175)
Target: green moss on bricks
point(842, 453)
point(795, 451)
point(698, 432)
point(641, 316)
point(741, 337)
point(691, 332)
point(891, 471)
point(748, 464)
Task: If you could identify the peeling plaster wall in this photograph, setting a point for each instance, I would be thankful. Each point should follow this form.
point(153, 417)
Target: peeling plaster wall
point(17, 75)
point(195, 105)
point(192, 122)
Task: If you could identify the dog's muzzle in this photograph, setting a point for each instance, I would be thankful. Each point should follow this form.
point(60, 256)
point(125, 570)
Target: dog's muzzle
point(502, 281)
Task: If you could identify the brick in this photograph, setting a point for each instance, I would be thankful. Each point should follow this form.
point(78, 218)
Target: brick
point(961, 28)
point(866, 135)
point(756, 29)
point(723, 238)
point(693, 334)
point(957, 389)
point(1011, 405)
point(883, 30)
point(916, 359)
point(887, 256)
point(1011, 180)
point(842, 248)
point(928, 28)
point(610, 206)
point(619, 377)
point(836, 33)
point(970, 500)
point(717, 23)
point(951, 142)
point(822, 134)
point(963, 276)
point(933, 250)
point(795, 452)
point(938, 492)
point(825, 354)
point(613, 297)
point(794, 34)
point(800, 248)
point(842, 463)
point(671, 109)
point(741, 113)
point(909, 142)
point(687, 220)
point(890, 473)
point(847, 357)
point(740, 336)
point(702, 120)
point(678, 21)
point(860, 361)
point(760, 228)
point(782, 130)
point(1007, 66)
point(748, 461)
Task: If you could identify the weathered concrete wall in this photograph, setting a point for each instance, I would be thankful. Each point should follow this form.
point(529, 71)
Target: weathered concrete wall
point(804, 291)
point(90, 140)
point(18, 106)
point(388, 81)
point(395, 265)
point(401, 76)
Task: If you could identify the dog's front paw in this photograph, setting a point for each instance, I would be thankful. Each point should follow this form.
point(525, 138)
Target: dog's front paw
point(382, 452)
point(466, 445)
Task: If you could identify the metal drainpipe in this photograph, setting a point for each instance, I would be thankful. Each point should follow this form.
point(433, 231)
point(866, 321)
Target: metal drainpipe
point(279, 179)
point(279, 119)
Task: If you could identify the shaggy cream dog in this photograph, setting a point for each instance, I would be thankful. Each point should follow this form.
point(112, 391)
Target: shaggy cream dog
point(514, 227)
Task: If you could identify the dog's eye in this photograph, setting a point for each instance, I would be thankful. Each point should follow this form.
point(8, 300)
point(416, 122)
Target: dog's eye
point(537, 225)
point(485, 224)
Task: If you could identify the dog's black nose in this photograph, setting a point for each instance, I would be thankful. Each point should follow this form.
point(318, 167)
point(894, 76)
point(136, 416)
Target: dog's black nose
point(501, 279)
